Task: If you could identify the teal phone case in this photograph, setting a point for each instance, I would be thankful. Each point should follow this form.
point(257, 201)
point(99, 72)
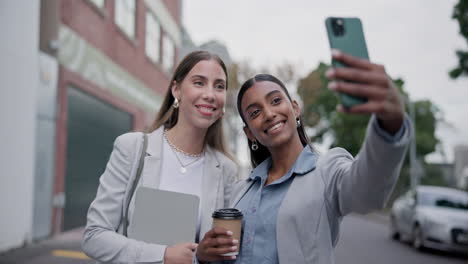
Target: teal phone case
point(352, 42)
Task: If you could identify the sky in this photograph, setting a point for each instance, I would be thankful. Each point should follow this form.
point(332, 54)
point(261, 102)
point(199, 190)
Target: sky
point(415, 40)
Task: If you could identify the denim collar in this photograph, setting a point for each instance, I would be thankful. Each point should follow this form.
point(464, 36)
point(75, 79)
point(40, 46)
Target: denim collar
point(305, 162)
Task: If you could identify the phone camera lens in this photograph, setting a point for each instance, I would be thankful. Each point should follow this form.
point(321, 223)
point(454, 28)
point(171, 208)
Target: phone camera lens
point(338, 26)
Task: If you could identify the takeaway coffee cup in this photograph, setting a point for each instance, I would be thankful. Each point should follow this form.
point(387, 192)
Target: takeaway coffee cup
point(231, 219)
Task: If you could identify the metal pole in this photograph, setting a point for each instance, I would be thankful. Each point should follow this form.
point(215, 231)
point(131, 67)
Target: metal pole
point(414, 169)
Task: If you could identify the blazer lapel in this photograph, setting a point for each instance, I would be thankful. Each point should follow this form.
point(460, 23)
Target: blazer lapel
point(239, 190)
point(210, 189)
point(151, 174)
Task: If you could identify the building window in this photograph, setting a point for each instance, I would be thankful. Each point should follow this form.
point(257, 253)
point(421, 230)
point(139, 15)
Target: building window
point(153, 37)
point(98, 3)
point(125, 16)
point(168, 53)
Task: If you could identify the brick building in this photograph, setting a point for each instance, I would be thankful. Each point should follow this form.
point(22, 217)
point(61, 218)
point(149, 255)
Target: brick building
point(102, 67)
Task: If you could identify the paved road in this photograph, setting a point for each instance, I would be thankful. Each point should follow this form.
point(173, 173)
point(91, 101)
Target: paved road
point(63, 249)
point(365, 240)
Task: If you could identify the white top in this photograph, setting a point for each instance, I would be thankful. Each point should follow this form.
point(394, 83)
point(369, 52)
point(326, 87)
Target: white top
point(173, 179)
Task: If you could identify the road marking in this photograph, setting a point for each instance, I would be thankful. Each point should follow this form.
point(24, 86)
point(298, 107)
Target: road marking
point(69, 254)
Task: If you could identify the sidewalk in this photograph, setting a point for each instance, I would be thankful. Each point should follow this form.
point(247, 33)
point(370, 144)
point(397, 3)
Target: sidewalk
point(64, 248)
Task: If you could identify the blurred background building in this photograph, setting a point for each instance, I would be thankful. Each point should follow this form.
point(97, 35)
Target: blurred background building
point(461, 166)
point(75, 74)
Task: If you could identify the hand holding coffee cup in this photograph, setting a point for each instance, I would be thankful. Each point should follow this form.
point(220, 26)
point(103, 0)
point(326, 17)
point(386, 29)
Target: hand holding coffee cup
point(230, 219)
point(223, 240)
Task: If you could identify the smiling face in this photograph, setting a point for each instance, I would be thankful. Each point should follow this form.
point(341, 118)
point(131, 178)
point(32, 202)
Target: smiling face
point(201, 95)
point(269, 114)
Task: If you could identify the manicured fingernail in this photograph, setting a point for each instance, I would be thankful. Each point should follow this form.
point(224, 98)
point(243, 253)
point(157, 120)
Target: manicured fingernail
point(332, 86)
point(233, 257)
point(234, 248)
point(335, 52)
point(229, 233)
point(329, 73)
point(235, 241)
point(342, 109)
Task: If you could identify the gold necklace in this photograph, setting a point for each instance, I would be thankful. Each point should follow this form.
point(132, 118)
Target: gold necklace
point(179, 150)
point(183, 167)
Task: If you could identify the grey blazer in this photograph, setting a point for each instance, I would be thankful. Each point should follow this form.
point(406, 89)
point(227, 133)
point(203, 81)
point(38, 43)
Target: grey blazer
point(101, 241)
point(309, 217)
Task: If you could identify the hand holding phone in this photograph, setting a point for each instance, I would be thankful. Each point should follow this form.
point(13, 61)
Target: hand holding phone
point(363, 87)
point(346, 35)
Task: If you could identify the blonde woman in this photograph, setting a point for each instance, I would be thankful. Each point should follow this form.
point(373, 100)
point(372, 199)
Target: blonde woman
point(185, 153)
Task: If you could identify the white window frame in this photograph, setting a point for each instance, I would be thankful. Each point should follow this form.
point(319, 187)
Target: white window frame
point(125, 16)
point(98, 3)
point(153, 38)
point(168, 55)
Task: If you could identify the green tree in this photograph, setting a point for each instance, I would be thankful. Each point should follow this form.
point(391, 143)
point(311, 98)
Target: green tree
point(426, 120)
point(348, 131)
point(320, 112)
point(238, 72)
point(460, 14)
point(434, 176)
point(318, 102)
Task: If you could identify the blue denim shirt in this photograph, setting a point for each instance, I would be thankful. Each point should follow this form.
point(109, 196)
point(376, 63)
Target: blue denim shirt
point(261, 203)
point(260, 208)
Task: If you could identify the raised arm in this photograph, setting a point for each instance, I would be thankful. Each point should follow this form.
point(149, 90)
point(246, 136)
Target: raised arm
point(365, 183)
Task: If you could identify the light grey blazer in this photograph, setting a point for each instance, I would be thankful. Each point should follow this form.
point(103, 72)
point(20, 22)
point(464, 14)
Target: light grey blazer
point(101, 241)
point(308, 222)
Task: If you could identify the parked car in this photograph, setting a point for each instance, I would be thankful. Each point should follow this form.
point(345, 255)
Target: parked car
point(432, 217)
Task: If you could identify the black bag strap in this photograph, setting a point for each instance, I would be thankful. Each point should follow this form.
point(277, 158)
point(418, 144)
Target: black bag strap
point(141, 163)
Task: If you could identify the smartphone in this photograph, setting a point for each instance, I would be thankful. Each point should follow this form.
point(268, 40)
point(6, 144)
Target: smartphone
point(346, 35)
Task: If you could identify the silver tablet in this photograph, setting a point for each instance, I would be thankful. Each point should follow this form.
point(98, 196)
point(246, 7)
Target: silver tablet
point(164, 217)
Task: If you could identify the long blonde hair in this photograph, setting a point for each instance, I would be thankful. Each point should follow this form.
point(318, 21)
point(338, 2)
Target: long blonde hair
point(168, 115)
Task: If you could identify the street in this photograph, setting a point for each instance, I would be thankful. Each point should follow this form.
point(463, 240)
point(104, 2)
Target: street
point(364, 239)
point(63, 249)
